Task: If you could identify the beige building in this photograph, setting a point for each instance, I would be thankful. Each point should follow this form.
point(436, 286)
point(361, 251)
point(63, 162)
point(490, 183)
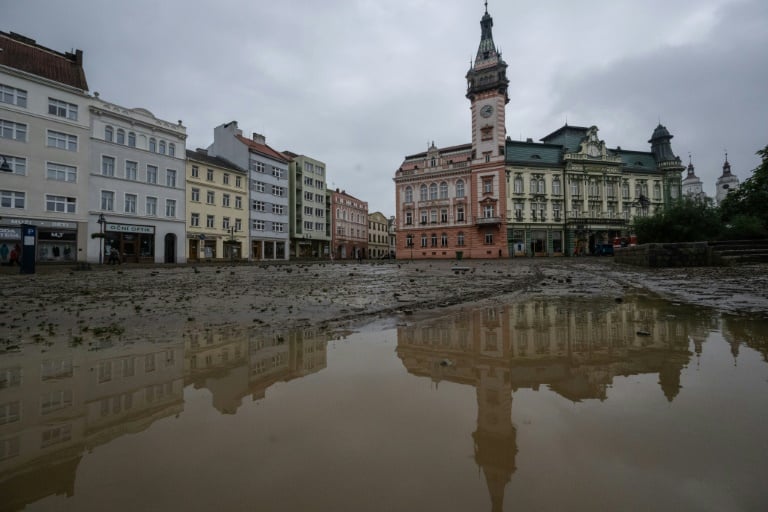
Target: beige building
point(378, 236)
point(217, 208)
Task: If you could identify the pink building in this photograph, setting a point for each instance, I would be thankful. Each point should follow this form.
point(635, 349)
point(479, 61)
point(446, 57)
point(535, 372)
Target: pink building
point(349, 226)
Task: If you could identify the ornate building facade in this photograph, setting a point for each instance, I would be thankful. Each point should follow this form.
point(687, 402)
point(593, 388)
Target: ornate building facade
point(566, 194)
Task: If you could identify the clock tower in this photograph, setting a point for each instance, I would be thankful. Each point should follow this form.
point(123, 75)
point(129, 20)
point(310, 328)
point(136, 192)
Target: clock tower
point(487, 90)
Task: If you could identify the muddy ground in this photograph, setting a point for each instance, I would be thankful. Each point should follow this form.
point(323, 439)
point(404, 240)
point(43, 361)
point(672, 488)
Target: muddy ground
point(157, 302)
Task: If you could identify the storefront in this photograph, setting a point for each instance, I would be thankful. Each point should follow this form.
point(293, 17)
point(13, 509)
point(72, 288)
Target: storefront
point(56, 241)
point(134, 243)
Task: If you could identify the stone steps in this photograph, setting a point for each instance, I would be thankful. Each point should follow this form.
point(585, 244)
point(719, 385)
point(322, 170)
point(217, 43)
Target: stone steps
point(734, 252)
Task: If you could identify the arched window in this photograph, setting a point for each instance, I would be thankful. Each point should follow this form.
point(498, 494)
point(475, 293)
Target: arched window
point(172, 149)
point(423, 193)
point(162, 147)
point(408, 194)
point(444, 240)
point(132, 139)
point(109, 134)
point(434, 240)
point(518, 185)
point(625, 190)
point(460, 188)
point(433, 191)
point(443, 190)
point(657, 192)
point(542, 186)
point(120, 136)
point(409, 241)
point(153, 145)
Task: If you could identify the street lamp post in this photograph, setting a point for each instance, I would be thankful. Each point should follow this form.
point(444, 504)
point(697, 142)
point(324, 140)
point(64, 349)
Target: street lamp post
point(101, 223)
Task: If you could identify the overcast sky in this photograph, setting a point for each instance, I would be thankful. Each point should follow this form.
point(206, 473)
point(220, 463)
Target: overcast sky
point(359, 84)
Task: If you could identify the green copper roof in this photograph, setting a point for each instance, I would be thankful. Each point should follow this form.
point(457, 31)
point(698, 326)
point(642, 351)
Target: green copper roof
point(568, 136)
point(533, 153)
point(636, 160)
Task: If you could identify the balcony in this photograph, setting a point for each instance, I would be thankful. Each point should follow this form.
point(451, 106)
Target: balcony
point(487, 221)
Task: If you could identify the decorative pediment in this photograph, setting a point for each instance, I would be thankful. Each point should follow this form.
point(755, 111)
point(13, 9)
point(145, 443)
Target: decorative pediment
point(591, 145)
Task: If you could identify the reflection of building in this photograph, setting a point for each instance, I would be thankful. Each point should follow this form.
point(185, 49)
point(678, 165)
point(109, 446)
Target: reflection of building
point(56, 405)
point(217, 208)
point(495, 197)
point(232, 364)
point(576, 348)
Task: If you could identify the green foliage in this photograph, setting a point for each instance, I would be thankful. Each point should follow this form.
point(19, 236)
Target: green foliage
point(744, 227)
point(686, 220)
point(749, 200)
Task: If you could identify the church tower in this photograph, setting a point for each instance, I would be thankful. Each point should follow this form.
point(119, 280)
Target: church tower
point(487, 85)
point(487, 91)
point(727, 182)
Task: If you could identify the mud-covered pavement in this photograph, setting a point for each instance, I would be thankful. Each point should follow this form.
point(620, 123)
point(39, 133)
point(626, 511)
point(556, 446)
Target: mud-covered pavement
point(133, 303)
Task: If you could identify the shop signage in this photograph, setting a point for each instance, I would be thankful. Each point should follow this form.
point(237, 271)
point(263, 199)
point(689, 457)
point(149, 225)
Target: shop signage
point(57, 235)
point(130, 228)
point(10, 233)
point(42, 223)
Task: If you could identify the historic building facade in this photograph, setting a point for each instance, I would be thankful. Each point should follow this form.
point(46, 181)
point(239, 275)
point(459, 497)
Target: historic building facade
point(44, 150)
point(136, 192)
point(309, 218)
point(567, 194)
point(217, 208)
point(349, 227)
point(378, 236)
point(268, 188)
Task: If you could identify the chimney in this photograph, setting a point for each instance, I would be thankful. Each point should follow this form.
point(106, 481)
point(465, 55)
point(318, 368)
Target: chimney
point(79, 57)
point(259, 138)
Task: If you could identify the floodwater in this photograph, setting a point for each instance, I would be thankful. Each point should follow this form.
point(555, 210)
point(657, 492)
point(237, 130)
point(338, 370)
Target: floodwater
point(547, 404)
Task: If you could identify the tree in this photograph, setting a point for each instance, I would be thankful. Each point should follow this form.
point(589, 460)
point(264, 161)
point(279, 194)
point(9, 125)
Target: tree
point(746, 208)
point(686, 220)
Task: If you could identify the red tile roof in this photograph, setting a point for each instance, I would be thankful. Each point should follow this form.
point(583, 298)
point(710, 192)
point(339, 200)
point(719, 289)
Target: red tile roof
point(264, 150)
point(22, 53)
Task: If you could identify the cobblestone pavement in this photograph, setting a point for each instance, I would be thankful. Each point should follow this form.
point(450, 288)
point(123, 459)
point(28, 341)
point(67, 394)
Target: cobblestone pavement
point(159, 301)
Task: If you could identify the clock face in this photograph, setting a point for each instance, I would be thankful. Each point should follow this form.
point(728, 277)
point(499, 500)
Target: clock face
point(486, 111)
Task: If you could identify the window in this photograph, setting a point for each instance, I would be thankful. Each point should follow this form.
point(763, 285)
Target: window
point(277, 172)
point(423, 240)
point(307, 225)
point(258, 186)
point(433, 191)
point(433, 216)
point(408, 218)
point(278, 191)
point(443, 190)
point(170, 177)
point(318, 184)
point(60, 204)
point(130, 203)
point(225, 223)
point(131, 139)
point(13, 96)
point(194, 220)
point(258, 166)
point(210, 197)
point(460, 214)
point(258, 225)
point(258, 206)
point(162, 147)
point(460, 239)
point(62, 141)
point(225, 179)
point(517, 185)
point(278, 227)
point(308, 181)
point(107, 166)
point(10, 412)
point(13, 131)
point(238, 224)
point(408, 195)
point(657, 192)
point(444, 215)
point(238, 202)
point(319, 212)
point(277, 209)
point(488, 211)
point(195, 171)
point(460, 188)
point(489, 239)
point(444, 240)
point(409, 241)
point(63, 109)
point(209, 175)
point(434, 240)
point(171, 149)
point(625, 190)
point(109, 134)
point(423, 216)
point(308, 210)
point(423, 193)
point(170, 207)
point(238, 181)
point(487, 186)
point(131, 170)
point(152, 206)
point(210, 221)
point(556, 187)
point(319, 226)
point(542, 188)
point(153, 145)
point(152, 174)
point(61, 172)
point(120, 136)
point(107, 200)
point(575, 189)
point(319, 198)
point(225, 200)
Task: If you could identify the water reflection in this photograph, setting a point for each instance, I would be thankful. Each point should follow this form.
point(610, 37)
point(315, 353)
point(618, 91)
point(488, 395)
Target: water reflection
point(59, 403)
point(574, 347)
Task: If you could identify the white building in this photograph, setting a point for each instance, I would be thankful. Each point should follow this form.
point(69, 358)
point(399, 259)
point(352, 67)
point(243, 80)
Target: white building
point(726, 183)
point(44, 140)
point(137, 185)
point(268, 188)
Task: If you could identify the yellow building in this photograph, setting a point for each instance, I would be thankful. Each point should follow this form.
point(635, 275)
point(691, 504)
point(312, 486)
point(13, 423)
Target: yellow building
point(378, 236)
point(217, 208)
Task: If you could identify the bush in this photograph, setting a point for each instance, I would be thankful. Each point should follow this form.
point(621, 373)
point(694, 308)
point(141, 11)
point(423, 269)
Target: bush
point(744, 227)
point(686, 220)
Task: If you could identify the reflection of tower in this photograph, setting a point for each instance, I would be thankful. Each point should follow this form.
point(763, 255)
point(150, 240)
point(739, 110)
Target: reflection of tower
point(495, 438)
